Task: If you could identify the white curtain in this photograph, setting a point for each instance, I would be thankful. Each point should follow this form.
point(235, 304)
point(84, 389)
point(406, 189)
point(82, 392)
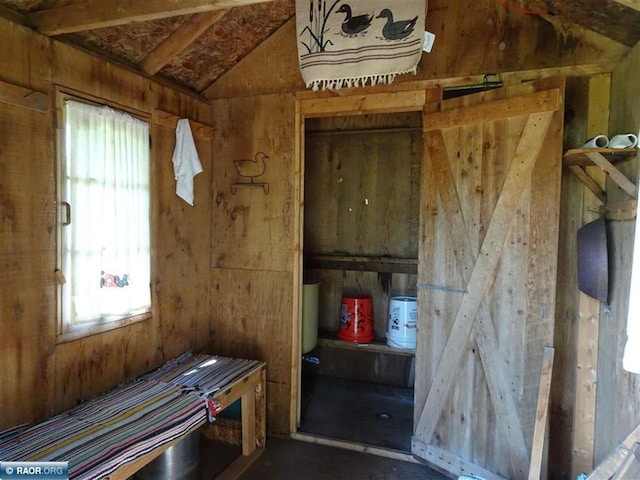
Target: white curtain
point(106, 247)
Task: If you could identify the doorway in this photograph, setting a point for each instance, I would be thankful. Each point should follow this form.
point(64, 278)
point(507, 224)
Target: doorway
point(361, 188)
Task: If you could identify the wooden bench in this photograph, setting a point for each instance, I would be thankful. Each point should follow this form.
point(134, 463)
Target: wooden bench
point(115, 435)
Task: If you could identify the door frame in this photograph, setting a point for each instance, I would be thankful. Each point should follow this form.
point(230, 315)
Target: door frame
point(382, 99)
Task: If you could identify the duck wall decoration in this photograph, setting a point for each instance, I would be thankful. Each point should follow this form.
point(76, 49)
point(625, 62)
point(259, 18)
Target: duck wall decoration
point(251, 169)
point(354, 25)
point(355, 42)
point(396, 30)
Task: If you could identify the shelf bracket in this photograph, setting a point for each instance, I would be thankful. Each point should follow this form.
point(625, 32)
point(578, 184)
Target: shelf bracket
point(576, 161)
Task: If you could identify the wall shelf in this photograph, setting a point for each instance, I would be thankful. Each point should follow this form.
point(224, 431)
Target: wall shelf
point(362, 263)
point(577, 159)
point(376, 346)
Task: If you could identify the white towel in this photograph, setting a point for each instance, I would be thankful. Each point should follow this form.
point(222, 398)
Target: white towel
point(186, 163)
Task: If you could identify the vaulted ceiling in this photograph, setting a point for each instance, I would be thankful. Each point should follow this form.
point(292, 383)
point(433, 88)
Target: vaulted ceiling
point(192, 43)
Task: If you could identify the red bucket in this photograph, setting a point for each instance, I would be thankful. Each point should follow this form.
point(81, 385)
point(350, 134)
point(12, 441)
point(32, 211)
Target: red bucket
point(356, 320)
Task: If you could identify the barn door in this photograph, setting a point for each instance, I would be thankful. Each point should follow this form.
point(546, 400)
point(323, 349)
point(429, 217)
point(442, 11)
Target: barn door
point(487, 274)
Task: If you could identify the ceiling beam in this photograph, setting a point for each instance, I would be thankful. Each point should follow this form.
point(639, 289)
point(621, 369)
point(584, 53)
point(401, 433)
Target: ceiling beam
point(179, 40)
point(92, 14)
point(635, 4)
point(12, 15)
point(617, 19)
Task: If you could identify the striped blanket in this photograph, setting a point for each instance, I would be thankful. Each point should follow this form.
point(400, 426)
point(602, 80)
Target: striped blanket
point(102, 434)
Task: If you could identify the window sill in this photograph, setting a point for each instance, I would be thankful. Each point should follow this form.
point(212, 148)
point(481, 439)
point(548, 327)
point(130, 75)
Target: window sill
point(83, 332)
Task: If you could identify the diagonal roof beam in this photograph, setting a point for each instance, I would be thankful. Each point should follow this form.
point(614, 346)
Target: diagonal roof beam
point(92, 14)
point(617, 19)
point(630, 3)
point(169, 48)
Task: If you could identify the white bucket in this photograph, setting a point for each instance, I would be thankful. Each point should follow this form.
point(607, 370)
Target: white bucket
point(403, 322)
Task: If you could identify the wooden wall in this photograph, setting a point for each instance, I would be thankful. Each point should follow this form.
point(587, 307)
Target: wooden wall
point(41, 376)
point(223, 271)
point(252, 243)
point(618, 398)
point(486, 39)
point(467, 47)
point(362, 190)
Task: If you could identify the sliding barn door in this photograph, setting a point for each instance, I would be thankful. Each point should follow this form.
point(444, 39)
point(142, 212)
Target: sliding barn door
point(487, 275)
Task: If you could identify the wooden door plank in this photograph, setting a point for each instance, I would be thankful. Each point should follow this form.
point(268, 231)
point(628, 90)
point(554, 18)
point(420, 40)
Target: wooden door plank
point(482, 274)
point(630, 466)
point(170, 47)
point(608, 467)
point(94, 14)
point(451, 462)
point(539, 431)
point(504, 404)
point(544, 101)
point(586, 385)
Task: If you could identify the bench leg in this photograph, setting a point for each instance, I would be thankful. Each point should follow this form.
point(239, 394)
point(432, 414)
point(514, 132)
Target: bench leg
point(253, 417)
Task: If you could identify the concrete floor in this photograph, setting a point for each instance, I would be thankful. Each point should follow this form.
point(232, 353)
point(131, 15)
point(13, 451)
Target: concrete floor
point(292, 459)
point(367, 413)
point(339, 409)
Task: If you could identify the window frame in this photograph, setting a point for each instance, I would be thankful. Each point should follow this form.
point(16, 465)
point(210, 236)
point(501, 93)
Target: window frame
point(63, 332)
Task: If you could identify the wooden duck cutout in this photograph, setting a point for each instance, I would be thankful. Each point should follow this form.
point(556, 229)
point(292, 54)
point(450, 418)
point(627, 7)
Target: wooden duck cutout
point(396, 30)
point(354, 25)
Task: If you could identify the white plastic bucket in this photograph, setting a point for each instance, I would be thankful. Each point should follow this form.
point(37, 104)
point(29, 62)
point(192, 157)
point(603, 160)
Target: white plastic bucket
point(403, 322)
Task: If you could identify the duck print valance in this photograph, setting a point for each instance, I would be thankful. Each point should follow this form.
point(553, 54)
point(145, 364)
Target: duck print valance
point(355, 42)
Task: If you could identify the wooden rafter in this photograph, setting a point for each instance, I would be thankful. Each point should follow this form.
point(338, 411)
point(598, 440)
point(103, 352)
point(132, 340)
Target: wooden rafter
point(616, 19)
point(630, 3)
point(179, 40)
point(93, 14)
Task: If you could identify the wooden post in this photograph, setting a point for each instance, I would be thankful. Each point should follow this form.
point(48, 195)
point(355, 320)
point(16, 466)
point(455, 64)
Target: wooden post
point(540, 428)
point(589, 309)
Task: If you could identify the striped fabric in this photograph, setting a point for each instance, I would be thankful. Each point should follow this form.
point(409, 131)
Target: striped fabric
point(106, 432)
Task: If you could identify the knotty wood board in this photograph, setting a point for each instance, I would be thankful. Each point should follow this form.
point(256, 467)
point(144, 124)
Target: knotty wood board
point(252, 229)
point(251, 318)
point(27, 234)
point(589, 309)
point(362, 190)
point(27, 260)
point(563, 389)
point(523, 312)
point(181, 279)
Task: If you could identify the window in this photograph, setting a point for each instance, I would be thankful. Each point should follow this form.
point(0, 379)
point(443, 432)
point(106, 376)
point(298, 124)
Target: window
point(104, 247)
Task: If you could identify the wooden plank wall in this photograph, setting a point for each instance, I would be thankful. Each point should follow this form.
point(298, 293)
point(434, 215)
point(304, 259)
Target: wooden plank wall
point(362, 190)
point(561, 410)
point(252, 243)
point(618, 399)
point(41, 376)
point(488, 39)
